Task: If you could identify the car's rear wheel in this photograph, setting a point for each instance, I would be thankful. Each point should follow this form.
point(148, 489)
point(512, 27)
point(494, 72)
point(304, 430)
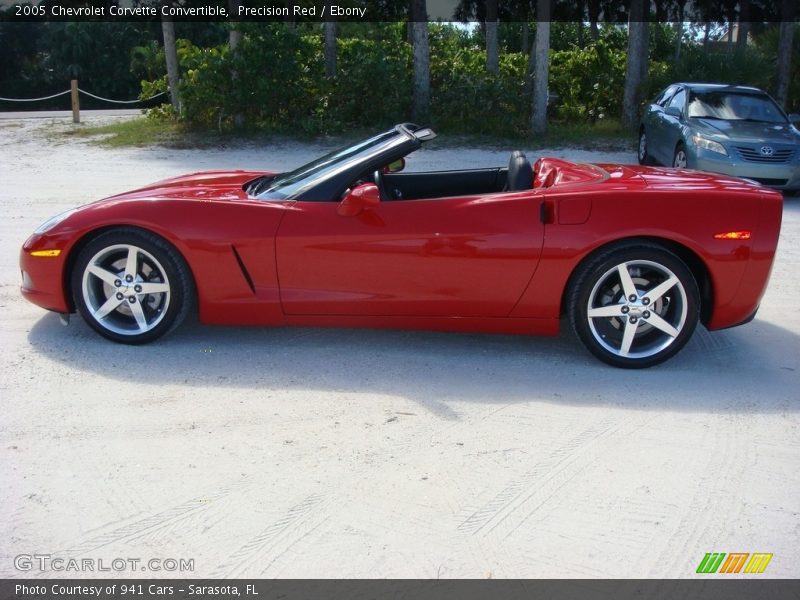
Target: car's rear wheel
point(131, 286)
point(679, 160)
point(644, 157)
point(634, 306)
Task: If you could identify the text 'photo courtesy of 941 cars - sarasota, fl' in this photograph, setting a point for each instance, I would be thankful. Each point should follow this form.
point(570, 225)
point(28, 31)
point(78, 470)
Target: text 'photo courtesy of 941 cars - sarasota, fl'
point(633, 256)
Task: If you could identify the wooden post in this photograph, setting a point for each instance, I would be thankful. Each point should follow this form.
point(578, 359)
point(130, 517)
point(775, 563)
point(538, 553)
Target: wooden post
point(76, 105)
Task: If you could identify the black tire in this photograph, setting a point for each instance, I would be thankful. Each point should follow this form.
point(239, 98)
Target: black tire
point(131, 286)
point(641, 332)
point(680, 159)
point(642, 154)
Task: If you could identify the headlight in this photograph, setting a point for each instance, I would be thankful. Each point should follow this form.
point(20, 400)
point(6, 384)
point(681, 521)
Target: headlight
point(705, 144)
point(52, 222)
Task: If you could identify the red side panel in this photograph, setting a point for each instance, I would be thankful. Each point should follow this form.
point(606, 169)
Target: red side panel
point(464, 257)
point(738, 269)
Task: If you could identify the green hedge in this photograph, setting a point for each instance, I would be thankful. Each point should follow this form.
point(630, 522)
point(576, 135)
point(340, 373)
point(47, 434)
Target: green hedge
point(275, 80)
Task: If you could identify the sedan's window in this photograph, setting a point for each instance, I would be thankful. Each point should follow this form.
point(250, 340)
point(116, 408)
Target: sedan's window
point(732, 106)
point(664, 97)
point(679, 100)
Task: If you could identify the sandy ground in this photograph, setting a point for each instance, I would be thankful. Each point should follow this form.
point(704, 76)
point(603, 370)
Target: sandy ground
point(327, 453)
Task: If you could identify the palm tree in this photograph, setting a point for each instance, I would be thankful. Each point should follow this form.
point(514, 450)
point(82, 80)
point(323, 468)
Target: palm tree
point(330, 48)
point(492, 45)
point(541, 68)
point(171, 55)
point(636, 66)
point(421, 98)
point(486, 12)
point(235, 34)
point(234, 39)
point(679, 29)
point(784, 66)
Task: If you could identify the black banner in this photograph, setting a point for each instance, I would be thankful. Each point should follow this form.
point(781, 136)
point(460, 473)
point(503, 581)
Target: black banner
point(403, 589)
point(318, 11)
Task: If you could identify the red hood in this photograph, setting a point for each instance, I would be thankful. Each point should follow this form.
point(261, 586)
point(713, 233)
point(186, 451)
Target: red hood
point(206, 185)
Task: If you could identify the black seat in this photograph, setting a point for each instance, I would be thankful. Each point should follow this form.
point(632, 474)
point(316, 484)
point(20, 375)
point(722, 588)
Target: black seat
point(520, 173)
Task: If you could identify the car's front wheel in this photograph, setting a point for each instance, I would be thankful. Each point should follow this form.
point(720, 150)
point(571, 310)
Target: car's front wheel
point(680, 160)
point(131, 286)
point(643, 155)
point(634, 306)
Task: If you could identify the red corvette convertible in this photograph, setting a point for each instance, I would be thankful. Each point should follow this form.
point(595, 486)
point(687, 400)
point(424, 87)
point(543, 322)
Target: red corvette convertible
point(633, 256)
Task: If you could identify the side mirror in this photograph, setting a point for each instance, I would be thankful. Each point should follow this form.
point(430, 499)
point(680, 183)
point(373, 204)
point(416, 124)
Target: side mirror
point(360, 197)
point(395, 167)
point(793, 117)
point(673, 111)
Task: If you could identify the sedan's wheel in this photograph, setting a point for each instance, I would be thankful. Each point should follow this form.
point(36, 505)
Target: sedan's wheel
point(644, 157)
point(634, 306)
point(679, 161)
point(131, 286)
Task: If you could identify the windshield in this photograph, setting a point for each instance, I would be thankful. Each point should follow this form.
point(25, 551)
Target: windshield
point(733, 106)
point(289, 185)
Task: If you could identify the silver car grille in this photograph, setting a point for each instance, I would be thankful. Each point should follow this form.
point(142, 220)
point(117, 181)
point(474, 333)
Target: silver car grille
point(771, 156)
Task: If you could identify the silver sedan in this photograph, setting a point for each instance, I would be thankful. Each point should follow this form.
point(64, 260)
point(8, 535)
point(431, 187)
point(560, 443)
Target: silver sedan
point(734, 130)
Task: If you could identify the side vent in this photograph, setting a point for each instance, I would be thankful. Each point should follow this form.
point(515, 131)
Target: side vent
point(246, 275)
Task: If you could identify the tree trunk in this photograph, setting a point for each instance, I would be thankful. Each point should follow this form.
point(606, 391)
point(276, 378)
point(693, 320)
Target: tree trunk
point(744, 26)
point(679, 30)
point(579, 15)
point(421, 98)
point(530, 68)
point(330, 48)
point(234, 39)
point(593, 9)
point(541, 69)
point(731, 25)
point(743, 33)
point(784, 63)
point(661, 11)
point(526, 32)
point(234, 35)
point(645, 50)
point(171, 54)
point(636, 64)
point(492, 46)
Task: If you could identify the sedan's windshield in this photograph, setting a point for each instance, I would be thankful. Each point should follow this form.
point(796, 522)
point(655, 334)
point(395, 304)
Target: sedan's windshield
point(734, 106)
point(289, 185)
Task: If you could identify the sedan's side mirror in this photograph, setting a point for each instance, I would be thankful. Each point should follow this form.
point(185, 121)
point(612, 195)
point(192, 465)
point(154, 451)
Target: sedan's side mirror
point(360, 197)
point(673, 111)
point(793, 117)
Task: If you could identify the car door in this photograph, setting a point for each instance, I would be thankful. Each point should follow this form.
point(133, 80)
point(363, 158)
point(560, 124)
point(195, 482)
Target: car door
point(655, 123)
point(463, 256)
point(671, 128)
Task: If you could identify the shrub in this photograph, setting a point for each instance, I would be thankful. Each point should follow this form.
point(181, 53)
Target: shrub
point(275, 79)
point(466, 98)
point(371, 86)
point(588, 82)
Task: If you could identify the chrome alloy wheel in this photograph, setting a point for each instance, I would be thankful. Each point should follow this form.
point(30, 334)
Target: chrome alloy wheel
point(125, 289)
point(642, 147)
point(680, 160)
point(637, 309)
